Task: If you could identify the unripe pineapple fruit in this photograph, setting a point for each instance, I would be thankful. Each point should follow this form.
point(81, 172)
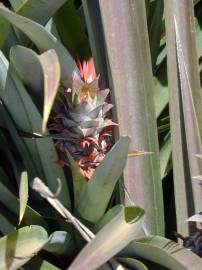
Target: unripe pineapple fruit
point(80, 123)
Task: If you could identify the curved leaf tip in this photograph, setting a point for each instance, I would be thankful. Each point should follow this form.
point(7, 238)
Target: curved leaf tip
point(40, 74)
point(51, 71)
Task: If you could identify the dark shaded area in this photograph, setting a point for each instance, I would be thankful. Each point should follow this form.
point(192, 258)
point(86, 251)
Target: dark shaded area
point(194, 243)
point(198, 13)
point(169, 207)
point(9, 161)
point(153, 266)
point(167, 182)
point(5, 2)
point(147, 263)
point(74, 36)
point(36, 262)
point(77, 3)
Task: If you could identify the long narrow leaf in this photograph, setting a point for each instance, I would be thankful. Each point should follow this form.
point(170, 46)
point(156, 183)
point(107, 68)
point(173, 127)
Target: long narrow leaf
point(11, 202)
point(165, 155)
point(127, 42)
point(155, 21)
point(161, 94)
point(192, 110)
point(185, 108)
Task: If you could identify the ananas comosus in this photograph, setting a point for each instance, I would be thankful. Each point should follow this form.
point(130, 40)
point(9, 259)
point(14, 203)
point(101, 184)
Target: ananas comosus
point(80, 122)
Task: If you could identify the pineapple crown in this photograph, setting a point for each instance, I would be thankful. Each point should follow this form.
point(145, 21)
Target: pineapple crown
point(82, 109)
point(85, 84)
point(87, 70)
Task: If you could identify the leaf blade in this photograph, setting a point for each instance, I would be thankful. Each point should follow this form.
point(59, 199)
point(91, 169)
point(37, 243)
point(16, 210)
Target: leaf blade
point(27, 118)
point(164, 252)
point(137, 100)
point(39, 11)
point(51, 73)
point(23, 194)
point(18, 247)
point(92, 205)
point(110, 239)
point(185, 109)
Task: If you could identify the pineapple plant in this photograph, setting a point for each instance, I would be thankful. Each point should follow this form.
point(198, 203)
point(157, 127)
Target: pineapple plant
point(81, 129)
point(80, 124)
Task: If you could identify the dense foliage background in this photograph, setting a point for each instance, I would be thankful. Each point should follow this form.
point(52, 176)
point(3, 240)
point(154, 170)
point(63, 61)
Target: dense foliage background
point(146, 184)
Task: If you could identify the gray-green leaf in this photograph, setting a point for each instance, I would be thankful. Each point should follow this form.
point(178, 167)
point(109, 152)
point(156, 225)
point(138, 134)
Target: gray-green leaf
point(20, 246)
point(95, 195)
